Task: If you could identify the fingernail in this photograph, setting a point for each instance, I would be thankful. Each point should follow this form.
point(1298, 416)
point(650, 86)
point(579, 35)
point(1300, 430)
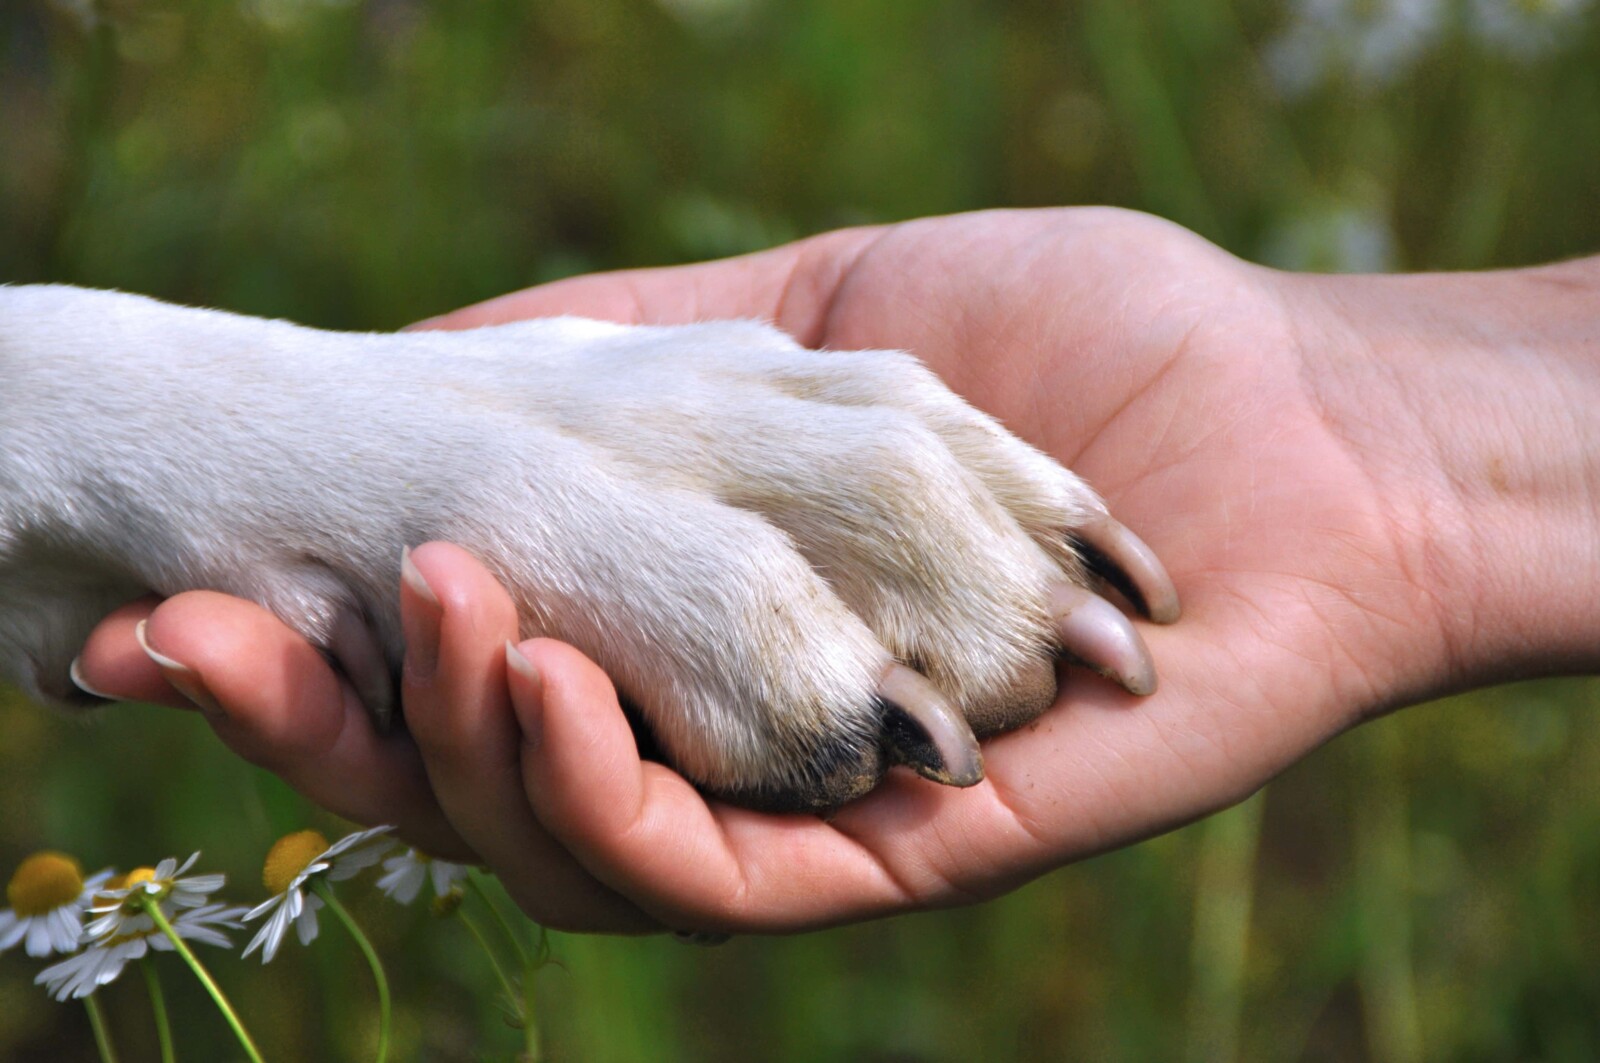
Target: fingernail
point(184, 679)
point(421, 623)
point(521, 673)
point(75, 671)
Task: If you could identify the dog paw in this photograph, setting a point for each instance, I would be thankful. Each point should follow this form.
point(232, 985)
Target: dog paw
point(799, 567)
point(914, 569)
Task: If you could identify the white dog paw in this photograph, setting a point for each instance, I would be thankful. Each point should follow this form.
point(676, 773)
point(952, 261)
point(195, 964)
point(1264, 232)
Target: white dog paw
point(799, 567)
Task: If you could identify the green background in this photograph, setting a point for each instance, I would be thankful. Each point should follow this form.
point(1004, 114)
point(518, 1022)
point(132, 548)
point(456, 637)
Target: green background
point(1426, 888)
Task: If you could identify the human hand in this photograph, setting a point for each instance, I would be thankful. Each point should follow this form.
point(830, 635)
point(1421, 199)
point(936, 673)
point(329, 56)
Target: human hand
point(1288, 446)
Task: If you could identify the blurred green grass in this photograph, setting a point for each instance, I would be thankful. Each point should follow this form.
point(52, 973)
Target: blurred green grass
point(1425, 889)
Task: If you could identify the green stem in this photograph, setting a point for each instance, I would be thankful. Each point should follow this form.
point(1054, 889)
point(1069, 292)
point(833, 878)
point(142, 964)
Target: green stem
point(530, 1015)
point(384, 1011)
point(102, 1035)
point(483, 943)
point(499, 917)
point(162, 924)
point(1386, 979)
point(1224, 894)
point(158, 1004)
point(530, 1022)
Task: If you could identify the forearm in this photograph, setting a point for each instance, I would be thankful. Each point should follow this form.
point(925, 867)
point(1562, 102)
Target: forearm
point(1473, 401)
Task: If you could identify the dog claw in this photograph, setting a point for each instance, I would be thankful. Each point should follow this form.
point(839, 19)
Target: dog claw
point(1122, 559)
point(923, 731)
point(1095, 634)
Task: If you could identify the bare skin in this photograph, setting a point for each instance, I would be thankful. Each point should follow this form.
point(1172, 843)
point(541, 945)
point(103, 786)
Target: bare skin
point(1369, 492)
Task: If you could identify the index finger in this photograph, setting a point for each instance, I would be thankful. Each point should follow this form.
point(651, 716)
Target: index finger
point(694, 864)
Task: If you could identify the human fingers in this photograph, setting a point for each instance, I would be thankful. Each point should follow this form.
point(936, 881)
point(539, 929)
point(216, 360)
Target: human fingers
point(694, 865)
point(459, 622)
point(113, 665)
point(275, 701)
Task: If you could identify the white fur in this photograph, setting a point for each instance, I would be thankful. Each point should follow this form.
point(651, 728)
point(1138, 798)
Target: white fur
point(741, 531)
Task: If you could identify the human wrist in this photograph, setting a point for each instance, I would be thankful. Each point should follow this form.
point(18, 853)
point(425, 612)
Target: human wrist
point(1473, 402)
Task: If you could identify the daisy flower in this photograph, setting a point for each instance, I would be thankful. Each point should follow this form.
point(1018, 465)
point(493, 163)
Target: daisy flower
point(294, 866)
point(404, 875)
point(48, 896)
point(120, 910)
point(103, 961)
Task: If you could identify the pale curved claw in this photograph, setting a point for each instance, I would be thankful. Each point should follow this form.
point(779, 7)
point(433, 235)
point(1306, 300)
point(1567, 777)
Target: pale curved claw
point(1095, 634)
point(923, 731)
point(1123, 560)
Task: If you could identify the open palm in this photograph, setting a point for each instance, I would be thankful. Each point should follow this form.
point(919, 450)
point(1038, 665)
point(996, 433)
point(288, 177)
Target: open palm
point(1183, 384)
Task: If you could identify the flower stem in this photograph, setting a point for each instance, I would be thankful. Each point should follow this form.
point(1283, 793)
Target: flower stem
point(499, 917)
point(326, 893)
point(158, 1004)
point(530, 1015)
point(494, 961)
point(102, 1035)
point(153, 909)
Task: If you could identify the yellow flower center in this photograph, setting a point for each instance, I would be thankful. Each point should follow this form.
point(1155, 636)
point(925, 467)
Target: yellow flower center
point(289, 856)
point(44, 882)
point(139, 876)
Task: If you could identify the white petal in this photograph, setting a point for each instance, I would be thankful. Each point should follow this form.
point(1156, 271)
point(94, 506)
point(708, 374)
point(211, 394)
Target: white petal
point(66, 928)
point(445, 875)
point(38, 942)
point(12, 929)
point(205, 935)
point(103, 926)
point(270, 935)
point(402, 881)
point(80, 975)
point(352, 841)
point(62, 978)
point(306, 925)
point(264, 907)
point(311, 870)
point(358, 860)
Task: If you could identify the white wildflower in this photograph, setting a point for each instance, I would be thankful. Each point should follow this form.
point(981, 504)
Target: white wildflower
point(48, 896)
point(103, 961)
point(293, 866)
point(119, 908)
point(403, 875)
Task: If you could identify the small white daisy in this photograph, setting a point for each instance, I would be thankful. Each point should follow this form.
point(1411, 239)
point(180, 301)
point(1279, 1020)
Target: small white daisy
point(120, 909)
point(48, 896)
point(103, 962)
point(293, 865)
point(403, 875)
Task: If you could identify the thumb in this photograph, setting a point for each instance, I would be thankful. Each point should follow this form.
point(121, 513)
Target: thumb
point(791, 286)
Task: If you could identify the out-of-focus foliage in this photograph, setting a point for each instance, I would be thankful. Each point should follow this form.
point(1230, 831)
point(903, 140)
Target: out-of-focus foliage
point(1428, 888)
